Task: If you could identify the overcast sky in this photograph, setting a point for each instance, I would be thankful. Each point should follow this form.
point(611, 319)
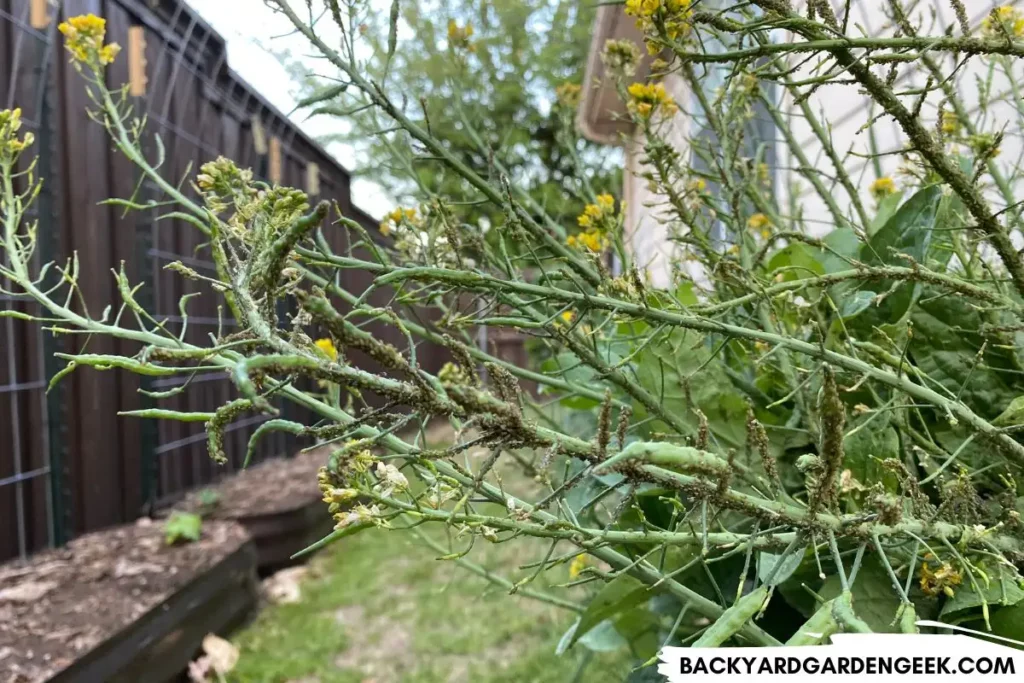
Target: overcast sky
point(253, 33)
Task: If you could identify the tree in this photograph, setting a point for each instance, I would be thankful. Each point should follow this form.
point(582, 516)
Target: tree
point(497, 81)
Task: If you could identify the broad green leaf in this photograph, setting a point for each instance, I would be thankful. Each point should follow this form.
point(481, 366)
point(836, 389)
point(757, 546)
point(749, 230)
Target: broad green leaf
point(874, 599)
point(678, 367)
point(603, 638)
point(945, 346)
point(787, 565)
point(886, 208)
point(869, 441)
point(909, 231)
point(1008, 622)
point(799, 260)
point(1013, 415)
point(639, 627)
point(618, 595)
point(183, 527)
point(1002, 589)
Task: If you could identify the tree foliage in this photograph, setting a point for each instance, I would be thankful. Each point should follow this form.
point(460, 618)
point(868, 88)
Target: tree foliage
point(494, 81)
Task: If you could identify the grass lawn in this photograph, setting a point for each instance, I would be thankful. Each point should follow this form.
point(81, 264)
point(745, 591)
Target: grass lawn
point(379, 608)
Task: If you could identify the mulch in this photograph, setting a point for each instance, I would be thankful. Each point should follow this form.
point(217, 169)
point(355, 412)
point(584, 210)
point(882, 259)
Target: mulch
point(61, 603)
point(275, 485)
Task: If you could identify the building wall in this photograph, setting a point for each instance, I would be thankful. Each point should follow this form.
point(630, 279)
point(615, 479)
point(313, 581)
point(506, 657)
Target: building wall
point(844, 113)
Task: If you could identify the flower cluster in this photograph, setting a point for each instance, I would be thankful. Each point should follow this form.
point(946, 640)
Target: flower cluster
point(940, 580)
point(326, 347)
point(647, 100)
point(10, 144)
point(949, 123)
point(459, 36)
point(984, 145)
point(596, 221)
point(620, 57)
point(83, 38)
point(568, 94)
point(672, 17)
point(423, 235)
point(760, 224)
point(1003, 21)
point(882, 187)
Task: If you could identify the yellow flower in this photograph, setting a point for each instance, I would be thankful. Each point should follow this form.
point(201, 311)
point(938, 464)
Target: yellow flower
point(941, 580)
point(1003, 21)
point(761, 347)
point(327, 347)
point(759, 222)
point(568, 94)
point(882, 187)
point(458, 37)
point(10, 144)
point(596, 220)
point(950, 123)
point(84, 40)
point(646, 99)
point(108, 53)
point(592, 241)
point(660, 19)
point(698, 185)
point(398, 218)
point(576, 566)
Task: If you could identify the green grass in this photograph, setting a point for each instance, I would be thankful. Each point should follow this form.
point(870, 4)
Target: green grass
point(378, 607)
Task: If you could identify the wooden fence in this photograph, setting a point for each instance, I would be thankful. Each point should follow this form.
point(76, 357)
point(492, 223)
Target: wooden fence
point(68, 463)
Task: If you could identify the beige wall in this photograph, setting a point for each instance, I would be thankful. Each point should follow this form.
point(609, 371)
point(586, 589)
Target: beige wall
point(844, 111)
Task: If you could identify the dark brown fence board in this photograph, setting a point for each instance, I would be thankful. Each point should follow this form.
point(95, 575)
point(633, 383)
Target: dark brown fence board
point(201, 109)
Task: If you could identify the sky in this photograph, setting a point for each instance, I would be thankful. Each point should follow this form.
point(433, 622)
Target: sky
point(253, 34)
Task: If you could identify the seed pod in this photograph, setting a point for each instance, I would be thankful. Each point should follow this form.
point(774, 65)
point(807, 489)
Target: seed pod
point(682, 458)
point(734, 618)
point(817, 629)
point(849, 622)
point(908, 618)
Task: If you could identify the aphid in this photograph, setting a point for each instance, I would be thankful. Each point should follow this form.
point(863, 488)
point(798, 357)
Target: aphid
point(734, 618)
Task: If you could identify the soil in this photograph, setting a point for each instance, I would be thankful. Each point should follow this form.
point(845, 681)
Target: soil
point(62, 603)
point(272, 486)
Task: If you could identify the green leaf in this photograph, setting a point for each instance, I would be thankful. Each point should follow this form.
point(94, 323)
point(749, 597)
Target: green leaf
point(909, 231)
point(799, 260)
point(945, 346)
point(639, 629)
point(1001, 589)
point(886, 208)
point(618, 595)
point(766, 563)
point(1013, 415)
point(869, 441)
point(1008, 622)
point(678, 367)
point(603, 638)
point(874, 599)
point(182, 527)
